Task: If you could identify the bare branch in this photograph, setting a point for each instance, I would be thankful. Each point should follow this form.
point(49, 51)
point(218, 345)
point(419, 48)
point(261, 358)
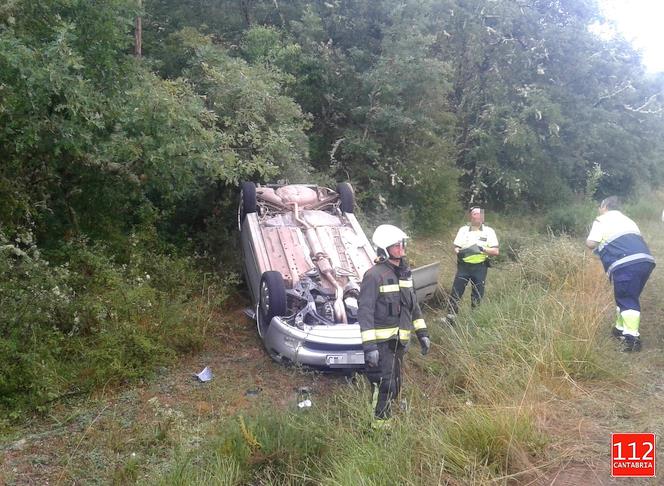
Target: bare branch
point(642, 108)
point(628, 85)
point(281, 16)
point(335, 146)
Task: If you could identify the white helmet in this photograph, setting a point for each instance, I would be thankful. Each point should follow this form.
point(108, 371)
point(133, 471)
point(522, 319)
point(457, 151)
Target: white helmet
point(387, 235)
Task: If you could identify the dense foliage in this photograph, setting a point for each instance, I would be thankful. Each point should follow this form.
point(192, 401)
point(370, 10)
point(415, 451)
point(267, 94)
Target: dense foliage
point(427, 104)
point(423, 105)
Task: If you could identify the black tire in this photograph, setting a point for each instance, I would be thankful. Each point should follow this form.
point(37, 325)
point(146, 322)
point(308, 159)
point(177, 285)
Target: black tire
point(271, 301)
point(247, 202)
point(347, 196)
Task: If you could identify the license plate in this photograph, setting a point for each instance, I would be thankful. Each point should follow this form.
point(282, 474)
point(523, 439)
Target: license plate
point(344, 359)
point(335, 359)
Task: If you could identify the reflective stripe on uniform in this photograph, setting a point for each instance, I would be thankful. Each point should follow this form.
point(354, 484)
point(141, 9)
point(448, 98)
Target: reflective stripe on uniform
point(388, 288)
point(630, 258)
point(631, 320)
point(419, 324)
point(387, 333)
point(406, 283)
point(384, 334)
point(606, 241)
point(368, 335)
point(479, 258)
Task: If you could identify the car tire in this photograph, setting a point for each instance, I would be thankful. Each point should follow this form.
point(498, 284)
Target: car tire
point(247, 202)
point(347, 197)
point(271, 303)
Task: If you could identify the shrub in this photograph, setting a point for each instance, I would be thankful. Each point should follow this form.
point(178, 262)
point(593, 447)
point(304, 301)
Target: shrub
point(574, 219)
point(88, 321)
point(648, 207)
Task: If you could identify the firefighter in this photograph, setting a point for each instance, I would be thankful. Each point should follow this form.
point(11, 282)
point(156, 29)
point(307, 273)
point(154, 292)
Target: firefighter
point(388, 313)
point(617, 241)
point(475, 242)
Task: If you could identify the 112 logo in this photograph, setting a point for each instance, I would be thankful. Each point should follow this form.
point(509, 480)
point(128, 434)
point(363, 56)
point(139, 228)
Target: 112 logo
point(633, 455)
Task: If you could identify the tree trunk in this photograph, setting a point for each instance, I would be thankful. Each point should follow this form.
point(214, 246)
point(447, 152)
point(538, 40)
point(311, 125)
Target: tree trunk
point(138, 34)
point(244, 6)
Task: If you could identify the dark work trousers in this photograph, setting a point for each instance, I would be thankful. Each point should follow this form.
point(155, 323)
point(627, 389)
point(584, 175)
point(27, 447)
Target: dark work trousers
point(387, 375)
point(475, 273)
point(628, 283)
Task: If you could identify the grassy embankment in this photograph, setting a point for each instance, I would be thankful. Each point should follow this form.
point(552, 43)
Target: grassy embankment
point(483, 407)
point(495, 401)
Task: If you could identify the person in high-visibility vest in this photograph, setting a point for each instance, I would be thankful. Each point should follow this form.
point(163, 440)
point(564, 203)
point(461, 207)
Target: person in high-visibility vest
point(388, 315)
point(627, 261)
point(475, 242)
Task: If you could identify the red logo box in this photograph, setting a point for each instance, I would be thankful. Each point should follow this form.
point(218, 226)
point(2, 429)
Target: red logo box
point(633, 455)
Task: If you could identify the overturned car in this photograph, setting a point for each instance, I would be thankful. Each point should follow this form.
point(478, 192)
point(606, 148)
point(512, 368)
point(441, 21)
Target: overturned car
point(304, 257)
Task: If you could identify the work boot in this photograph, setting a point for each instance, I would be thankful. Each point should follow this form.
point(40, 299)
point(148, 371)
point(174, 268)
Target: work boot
point(631, 344)
point(617, 333)
point(449, 319)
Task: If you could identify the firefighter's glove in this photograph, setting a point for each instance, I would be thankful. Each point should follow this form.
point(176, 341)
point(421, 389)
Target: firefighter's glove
point(371, 358)
point(425, 344)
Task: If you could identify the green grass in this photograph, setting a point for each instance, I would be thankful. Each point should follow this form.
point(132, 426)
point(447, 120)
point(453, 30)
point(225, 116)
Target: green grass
point(473, 402)
point(333, 444)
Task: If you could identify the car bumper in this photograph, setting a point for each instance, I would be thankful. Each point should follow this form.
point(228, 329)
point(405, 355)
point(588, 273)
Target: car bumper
point(338, 346)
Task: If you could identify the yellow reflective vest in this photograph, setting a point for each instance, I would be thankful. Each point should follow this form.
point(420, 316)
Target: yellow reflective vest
point(468, 240)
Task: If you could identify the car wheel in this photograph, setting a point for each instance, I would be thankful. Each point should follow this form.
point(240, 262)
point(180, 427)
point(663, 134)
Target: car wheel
point(271, 303)
point(247, 202)
point(347, 196)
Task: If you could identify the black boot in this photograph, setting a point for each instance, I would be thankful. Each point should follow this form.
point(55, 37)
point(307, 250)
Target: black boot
point(616, 333)
point(631, 344)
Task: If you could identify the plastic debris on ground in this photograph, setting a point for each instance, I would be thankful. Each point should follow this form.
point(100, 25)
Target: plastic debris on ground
point(205, 375)
point(304, 397)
